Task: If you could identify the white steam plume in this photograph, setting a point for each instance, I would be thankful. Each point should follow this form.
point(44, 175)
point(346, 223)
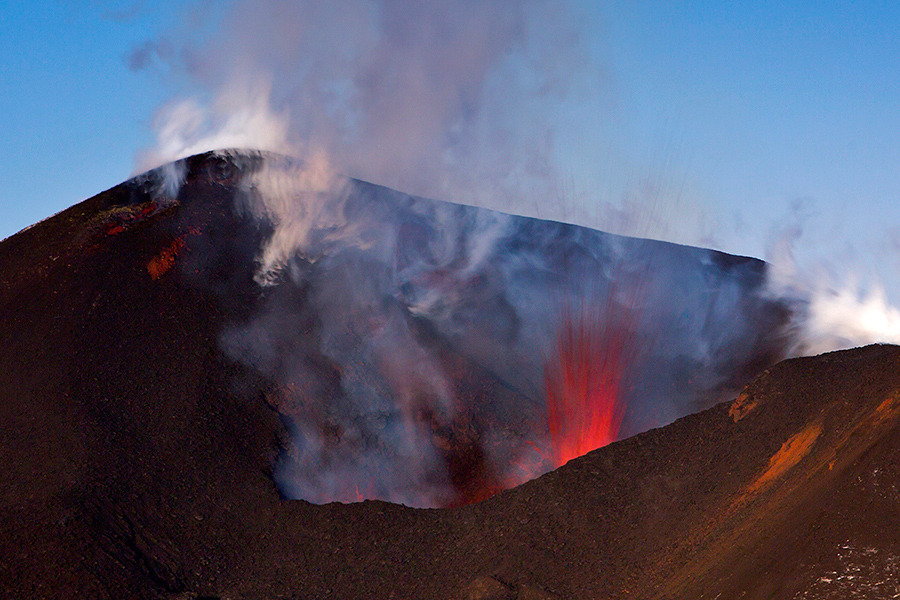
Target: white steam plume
point(241, 117)
point(300, 201)
point(849, 316)
point(831, 312)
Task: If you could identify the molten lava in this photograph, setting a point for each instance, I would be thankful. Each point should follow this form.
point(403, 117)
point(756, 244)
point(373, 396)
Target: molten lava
point(584, 382)
point(163, 262)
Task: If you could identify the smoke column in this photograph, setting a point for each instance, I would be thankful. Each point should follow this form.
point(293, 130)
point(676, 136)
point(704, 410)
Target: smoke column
point(445, 100)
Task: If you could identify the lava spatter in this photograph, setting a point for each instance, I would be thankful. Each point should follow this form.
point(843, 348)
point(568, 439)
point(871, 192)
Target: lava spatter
point(584, 380)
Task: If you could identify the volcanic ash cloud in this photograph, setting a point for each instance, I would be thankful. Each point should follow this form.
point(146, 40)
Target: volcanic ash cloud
point(413, 345)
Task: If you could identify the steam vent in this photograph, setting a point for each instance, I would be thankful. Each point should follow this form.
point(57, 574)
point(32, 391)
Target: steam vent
point(245, 376)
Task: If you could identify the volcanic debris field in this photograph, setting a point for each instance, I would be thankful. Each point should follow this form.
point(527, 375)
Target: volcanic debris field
point(181, 398)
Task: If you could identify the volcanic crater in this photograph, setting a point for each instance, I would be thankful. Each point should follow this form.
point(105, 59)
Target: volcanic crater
point(197, 363)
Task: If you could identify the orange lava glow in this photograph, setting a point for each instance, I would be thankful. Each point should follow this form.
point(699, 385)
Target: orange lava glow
point(366, 493)
point(583, 383)
point(162, 263)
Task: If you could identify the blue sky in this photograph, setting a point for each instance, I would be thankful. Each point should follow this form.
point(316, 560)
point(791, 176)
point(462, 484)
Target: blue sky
point(729, 122)
point(71, 113)
point(772, 104)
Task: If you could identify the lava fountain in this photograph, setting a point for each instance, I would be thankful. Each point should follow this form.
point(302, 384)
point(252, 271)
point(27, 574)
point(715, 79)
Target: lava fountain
point(584, 380)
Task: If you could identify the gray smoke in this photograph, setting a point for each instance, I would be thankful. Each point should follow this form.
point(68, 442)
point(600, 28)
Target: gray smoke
point(406, 340)
point(446, 100)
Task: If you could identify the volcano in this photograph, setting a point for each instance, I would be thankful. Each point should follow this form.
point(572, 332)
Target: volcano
point(239, 375)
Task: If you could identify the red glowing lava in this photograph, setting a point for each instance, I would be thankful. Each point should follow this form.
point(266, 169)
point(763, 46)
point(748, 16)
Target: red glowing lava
point(584, 381)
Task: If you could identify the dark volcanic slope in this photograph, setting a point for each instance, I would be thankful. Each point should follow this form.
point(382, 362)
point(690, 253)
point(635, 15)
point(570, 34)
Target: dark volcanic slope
point(138, 456)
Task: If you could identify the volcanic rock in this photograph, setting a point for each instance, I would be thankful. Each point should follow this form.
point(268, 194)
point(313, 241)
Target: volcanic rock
point(142, 451)
point(488, 588)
